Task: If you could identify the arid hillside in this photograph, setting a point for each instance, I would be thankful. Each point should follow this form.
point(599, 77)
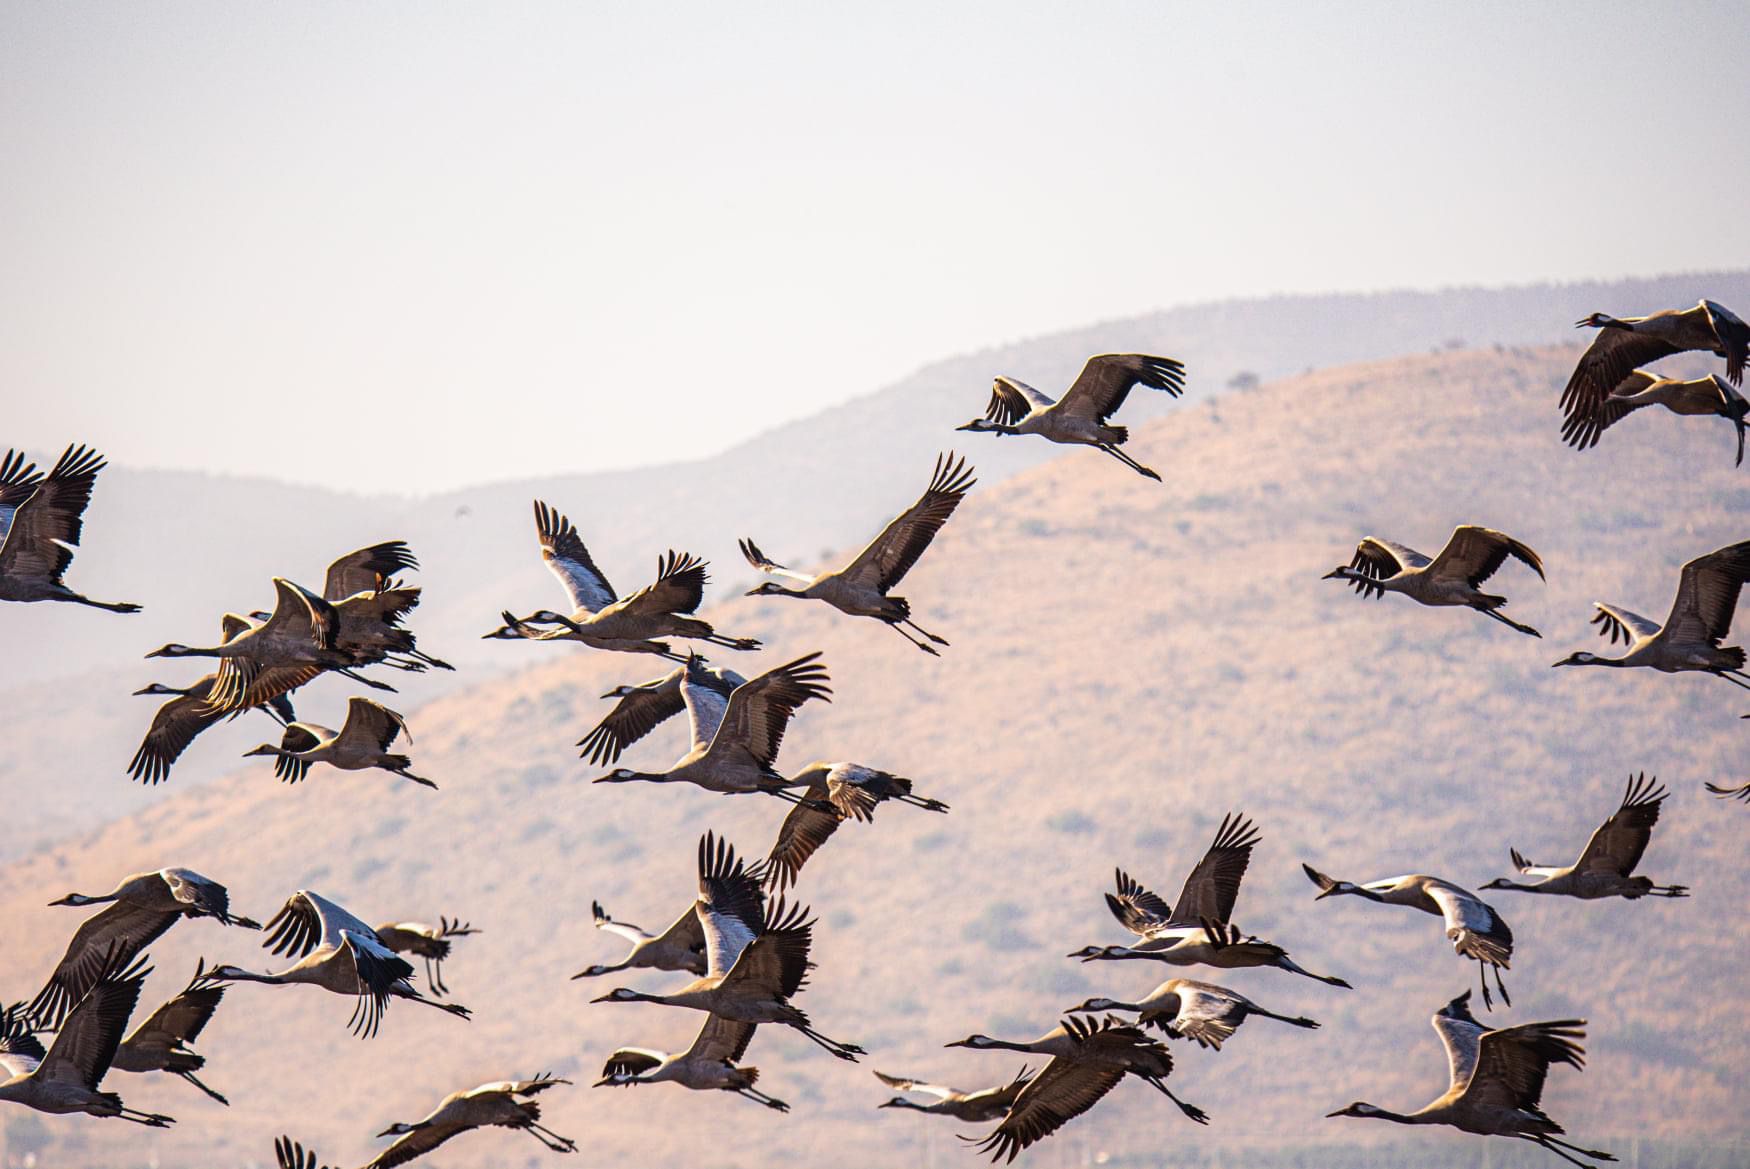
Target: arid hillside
point(1130, 661)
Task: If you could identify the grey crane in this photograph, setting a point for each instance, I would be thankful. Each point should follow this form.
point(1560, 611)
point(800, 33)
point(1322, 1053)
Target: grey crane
point(430, 942)
point(290, 648)
point(504, 1104)
point(41, 521)
point(740, 751)
point(516, 628)
point(1711, 395)
point(710, 1064)
point(831, 794)
point(369, 605)
point(1187, 1009)
point(1454, 577)
point(977, 1107)
point(1701, 616)
point(160, 1044)
point(179, 721)
point(64, 1078)
point(1083, 414)
point(1605, 867)
point(861, 587)
point(1088, 1059)
point(658, 610)
point(679, 947)
point(1195, 931)
point(361, 744)
point(756, 955)
point(1497, 1080)
point(140, 909)
point(339, 953)
point(643, 707)
point(1472, 926)
point(1624, 345)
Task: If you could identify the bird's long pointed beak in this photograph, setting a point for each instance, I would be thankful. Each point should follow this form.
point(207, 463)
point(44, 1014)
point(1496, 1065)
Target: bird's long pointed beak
point(968, 426)
point(1334, 574)
point(148, 689)
point(1324, 893)
point(1339, 1112)
point(604, 998)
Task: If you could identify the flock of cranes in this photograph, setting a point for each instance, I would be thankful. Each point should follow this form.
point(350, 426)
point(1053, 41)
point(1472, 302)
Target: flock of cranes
point(746, 948)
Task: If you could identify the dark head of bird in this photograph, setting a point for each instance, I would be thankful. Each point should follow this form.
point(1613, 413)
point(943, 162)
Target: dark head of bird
point(1341, 572)
point(1597, 321)
point(594, 971)
point(1582, 658)
point(173, 650)
point(625, 775)
point(1095, 1005)
point(399, 1129)
point(1458, 1008)
point(1359, 1108)
point(987, 426)
point(158, 688)
point(772, 588)
point(1089, 953)
point(620, 691)
point(264, 749)
point(621, 995)
point(975, 1041)
point(901, 1102)
point(75, 899)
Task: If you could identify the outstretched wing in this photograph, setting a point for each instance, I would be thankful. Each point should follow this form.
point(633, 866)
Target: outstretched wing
point(1581, 430)
point(679, 586)
point(105, 941)
point(367, 570)
point(371, 724)
point(1212, 887)
point(18, 479)
point(47, 525)
point(183, 1018)
point(1473, 554)
point(1617, 623)
point(1612, 356)
point(1513, 1062)
point(85, 1045)
point(731, 907)
point(1707, 595)
point(636, 714)
point(562, 548)
point(1620, 841)
point(173, 728)
point(759, 710)
point(777, 960)
point(891, 554)
point(1107, 380)
point(809, 825)
point(1137, 908)
point(1379, 559)
point(1064, 1090)
point(721, 1039)
point(1012, 400)
point(1734, 338)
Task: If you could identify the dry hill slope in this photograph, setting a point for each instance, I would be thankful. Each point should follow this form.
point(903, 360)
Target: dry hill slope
point(1130, 661)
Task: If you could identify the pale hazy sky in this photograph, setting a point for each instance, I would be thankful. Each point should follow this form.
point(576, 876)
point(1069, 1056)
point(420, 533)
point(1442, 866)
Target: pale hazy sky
point(525, 238)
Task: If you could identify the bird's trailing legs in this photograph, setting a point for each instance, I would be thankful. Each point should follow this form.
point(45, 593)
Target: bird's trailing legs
point(1556, 1146)
point(923, 645)
point(1735, 677)
point(769, 1101)
point(551, 1139)
point(149, 1119)
point(846, 1051)
point(364, 681)
point(1129, 462)
point(920, 629)
point(1190, 1110)
point(1510, 623)
point(733, 642)
point(1483, 977)
point(189, 1076)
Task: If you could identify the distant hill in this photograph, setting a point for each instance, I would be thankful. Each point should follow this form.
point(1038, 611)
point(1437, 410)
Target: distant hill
point(1129, 662)
point(191, 546)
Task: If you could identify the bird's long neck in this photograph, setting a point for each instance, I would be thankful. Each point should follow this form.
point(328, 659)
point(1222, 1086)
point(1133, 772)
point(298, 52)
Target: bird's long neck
point(1398, 1117)
point(1005, 1045)
point(251, 976)
point(1504, 883)
point(901, 1102)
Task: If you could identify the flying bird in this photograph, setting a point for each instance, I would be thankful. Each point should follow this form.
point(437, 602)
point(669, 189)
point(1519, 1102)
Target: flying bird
point(505, 1104)
point(860, 587)
point(642, 708)
point(833, 793)
point(679, 947)
point(1701, 616)
point(1711, 395)
point(1083, 413)
point(1455, 577)
point(41, 521)
point(710, 1064)
point(433, 943)
point(1623, 346)
point(756, 955)
point(974, 1107)
point(160, 1044)
point(140, 909)
point(361, 744)
point(735, 744)
point(1497, 1080)
point(1187, 1009)
point(1088, 1059)
point(1472, 925)
point(339, 953)
point(64, 1078)
point(1604, 868)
